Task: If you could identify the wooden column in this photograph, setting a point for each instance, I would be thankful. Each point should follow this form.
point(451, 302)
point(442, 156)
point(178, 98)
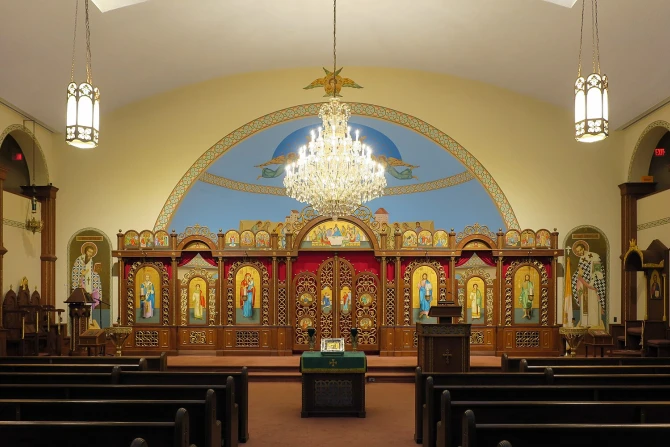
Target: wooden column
point(452, 277)
point(47, 198)
point(275, 287)
point(630, 193)
point(382, 278)
point(174, 305)
point(500, 280)
point(223, 309)
point(399, 299)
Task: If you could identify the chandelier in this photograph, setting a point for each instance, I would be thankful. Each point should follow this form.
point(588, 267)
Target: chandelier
point(334, 173)
point(83, 100)
point(591, 97)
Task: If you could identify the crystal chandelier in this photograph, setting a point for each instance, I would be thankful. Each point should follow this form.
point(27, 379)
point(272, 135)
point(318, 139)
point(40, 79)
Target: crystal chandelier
point(591, 97)
point(334, 173)
point(83, 100)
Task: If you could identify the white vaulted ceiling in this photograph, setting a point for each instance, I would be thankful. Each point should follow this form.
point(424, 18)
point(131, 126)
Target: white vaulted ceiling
point(144, 48)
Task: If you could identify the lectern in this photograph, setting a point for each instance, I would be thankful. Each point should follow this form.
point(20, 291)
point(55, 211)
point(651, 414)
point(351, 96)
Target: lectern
point(445, 346)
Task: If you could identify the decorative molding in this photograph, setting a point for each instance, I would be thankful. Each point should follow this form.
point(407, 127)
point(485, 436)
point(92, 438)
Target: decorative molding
point(17, 224)
point(653, 223)
point(247, 339)
point(476, 229)
point(146, 339)
point(477, 337)
point(197, 338)
point(197, 230)
point(446, 182)
point(311, 110)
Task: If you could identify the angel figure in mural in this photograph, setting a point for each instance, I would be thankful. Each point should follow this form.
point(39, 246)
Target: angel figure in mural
point(247, 296)
point(198, 302)
point(281, 160)
point(86, 273)
point(526, 297)
point(589, 288)
point(476, 302)
point(425, 295)
point(332, 81)
point(391, 163)
point(147, 297)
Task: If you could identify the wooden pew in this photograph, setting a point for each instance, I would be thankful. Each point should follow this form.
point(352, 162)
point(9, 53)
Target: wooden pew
point(226, 409)
point(153, 363)
point(205, 429)
point(198, 378)
point(100, 434)
point(68, 368)
point(511, 364)
point(139, 442)
point(597, 369)
point(463, 379)
point(56, 377)
point(532, 435)
point(545, 412)
point(557, 388)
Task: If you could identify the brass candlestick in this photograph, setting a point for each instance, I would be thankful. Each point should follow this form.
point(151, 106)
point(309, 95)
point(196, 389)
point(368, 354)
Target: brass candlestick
point(311, 332)
point(354, 339)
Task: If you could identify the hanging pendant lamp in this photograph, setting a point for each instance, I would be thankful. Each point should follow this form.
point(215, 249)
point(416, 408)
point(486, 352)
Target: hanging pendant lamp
point(83, 100)
point(591, 96)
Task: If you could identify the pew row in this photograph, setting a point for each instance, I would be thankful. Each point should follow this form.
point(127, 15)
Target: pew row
point(566, 388)
point(532, 435)
point(596, 369)
point(120, 377)
point(100, 434)
point(545, 412)
point(205, 429)
point(153, 363)
point(227, 410)
point(70, 368)
point(511, 364)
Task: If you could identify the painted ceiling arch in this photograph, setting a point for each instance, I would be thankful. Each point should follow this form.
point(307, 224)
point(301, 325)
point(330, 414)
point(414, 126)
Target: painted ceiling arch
point(443, 183)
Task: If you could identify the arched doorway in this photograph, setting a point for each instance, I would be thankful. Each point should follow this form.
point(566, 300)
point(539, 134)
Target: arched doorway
point(647, 161)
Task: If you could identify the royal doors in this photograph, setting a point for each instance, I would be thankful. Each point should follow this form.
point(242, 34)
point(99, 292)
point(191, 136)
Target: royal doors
point(333, 300)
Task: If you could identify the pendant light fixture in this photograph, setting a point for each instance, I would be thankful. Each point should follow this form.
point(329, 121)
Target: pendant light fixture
point(334, 173)
point(32, 223)
point(591, 96)
point(83, 100)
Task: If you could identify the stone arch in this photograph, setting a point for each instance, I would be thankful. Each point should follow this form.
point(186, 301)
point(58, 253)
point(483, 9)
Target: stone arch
point(25, 137)
point(361, 109)
point(644, 149)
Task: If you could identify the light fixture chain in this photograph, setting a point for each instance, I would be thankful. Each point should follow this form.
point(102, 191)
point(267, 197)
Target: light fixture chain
point(74, 39)
point(593, 36)
point(581, 40)
point(597, 39)
point(334, 47)
point(89, 76)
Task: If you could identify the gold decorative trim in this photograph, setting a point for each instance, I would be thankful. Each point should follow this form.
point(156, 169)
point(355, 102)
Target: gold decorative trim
point(361, 109)
point(544, 290)
point(211, 299)
point(265, 286)
point(446, 182)
point(407, 286)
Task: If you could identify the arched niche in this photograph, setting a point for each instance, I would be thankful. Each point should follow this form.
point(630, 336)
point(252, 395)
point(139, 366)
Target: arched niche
point(37, 165)
point(644, 149)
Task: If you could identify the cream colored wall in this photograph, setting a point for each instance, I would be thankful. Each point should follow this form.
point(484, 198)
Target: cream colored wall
point(630, 138)
point(651, 210)
point(527, 145)
point(23, 247)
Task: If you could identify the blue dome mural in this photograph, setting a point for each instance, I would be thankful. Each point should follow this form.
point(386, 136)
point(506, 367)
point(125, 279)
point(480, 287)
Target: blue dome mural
point(426, 183)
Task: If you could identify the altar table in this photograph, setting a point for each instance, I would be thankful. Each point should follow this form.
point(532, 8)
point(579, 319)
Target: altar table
point(333, 385)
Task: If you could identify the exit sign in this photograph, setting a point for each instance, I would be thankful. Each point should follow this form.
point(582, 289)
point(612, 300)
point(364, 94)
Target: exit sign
point(659, 152)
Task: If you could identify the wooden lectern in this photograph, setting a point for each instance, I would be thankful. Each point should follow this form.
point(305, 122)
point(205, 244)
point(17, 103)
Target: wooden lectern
point(445, 346)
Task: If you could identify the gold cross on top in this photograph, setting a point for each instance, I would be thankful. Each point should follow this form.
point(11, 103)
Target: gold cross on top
point(333, 362)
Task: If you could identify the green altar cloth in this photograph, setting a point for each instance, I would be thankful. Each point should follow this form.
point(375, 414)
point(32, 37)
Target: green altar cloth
point(350, 362)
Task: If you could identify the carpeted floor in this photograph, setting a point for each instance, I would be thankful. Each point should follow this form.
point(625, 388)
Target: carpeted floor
point(274, 418)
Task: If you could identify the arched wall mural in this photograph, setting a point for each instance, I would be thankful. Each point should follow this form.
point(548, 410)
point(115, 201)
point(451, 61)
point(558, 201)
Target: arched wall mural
point(433, 182)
